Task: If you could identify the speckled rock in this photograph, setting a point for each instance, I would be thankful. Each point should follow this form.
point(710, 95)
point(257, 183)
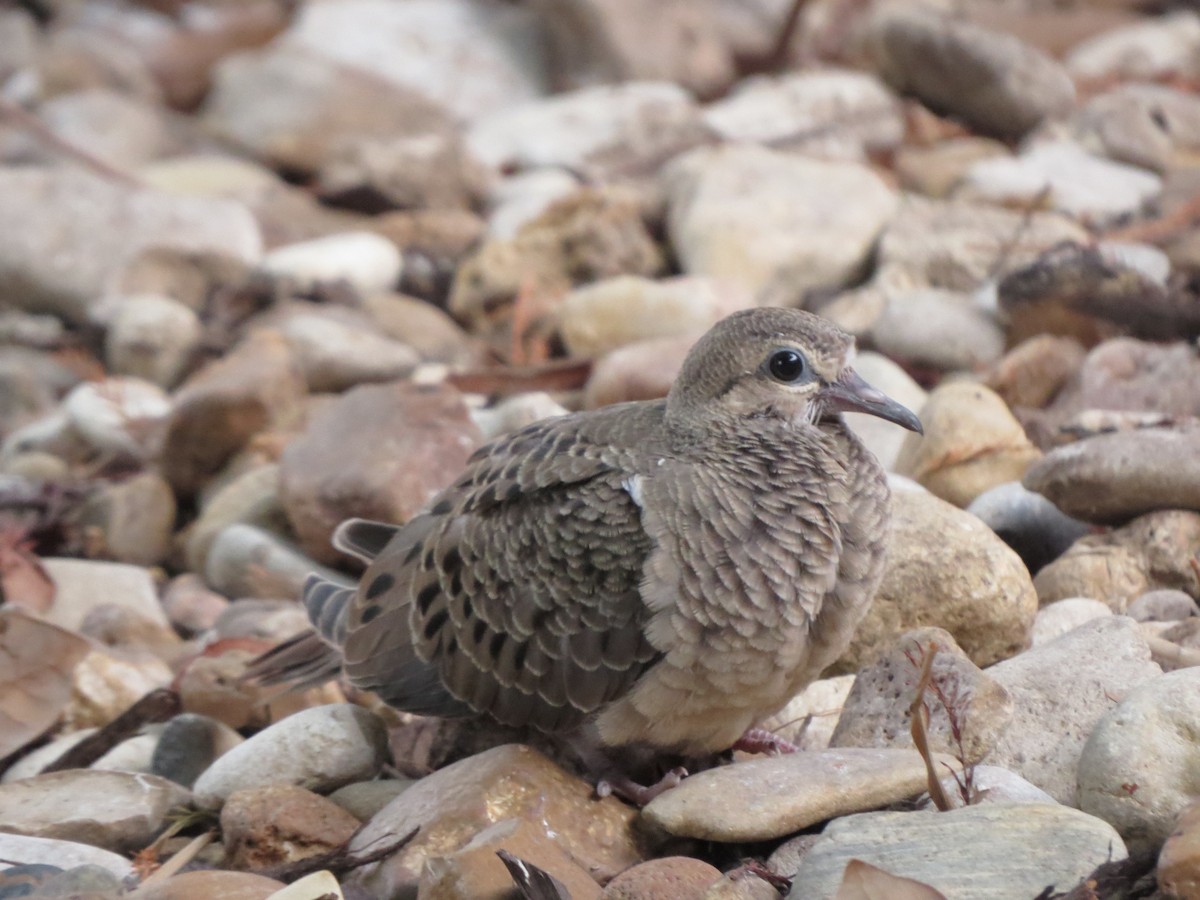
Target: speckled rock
point(282, 823)
point(1061, 616)
point(343, 743)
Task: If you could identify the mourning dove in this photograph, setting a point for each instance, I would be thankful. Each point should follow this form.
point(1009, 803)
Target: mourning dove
point(663, 573)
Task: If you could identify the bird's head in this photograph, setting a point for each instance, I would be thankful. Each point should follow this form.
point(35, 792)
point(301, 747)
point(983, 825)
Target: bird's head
point(772, 363)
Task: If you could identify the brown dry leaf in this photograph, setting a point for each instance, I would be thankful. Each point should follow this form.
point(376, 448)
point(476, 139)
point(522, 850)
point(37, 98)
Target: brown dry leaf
point(36, 661)
point(863, 881)
point(24, 581)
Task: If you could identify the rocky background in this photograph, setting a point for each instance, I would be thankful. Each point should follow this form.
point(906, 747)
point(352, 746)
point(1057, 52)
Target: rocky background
point(266, 264)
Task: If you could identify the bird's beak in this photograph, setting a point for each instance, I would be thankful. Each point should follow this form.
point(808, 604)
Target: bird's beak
point(851, 394)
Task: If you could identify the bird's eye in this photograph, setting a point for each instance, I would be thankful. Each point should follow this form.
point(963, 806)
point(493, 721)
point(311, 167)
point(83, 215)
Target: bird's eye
point(787, 366)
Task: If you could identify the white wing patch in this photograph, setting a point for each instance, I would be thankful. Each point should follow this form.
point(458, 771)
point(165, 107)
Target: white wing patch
point(633, 486)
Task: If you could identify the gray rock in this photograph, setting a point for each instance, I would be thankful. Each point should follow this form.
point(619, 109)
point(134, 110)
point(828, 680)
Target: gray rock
point(1163, 606)
point(61, 264)
point(1139, 768)
point(1029, 523)
point(992, 784)
point(1057, 618)
point(36, 851)
point(1000, 851)
point(758, 216)
point(188, 745)
point(939, 328)
point(1131, 375)
point(341, 743)
point(117, 811)
point(1001, 87)
point(363, 799)
point(247, 561)
point(1061, 690)
point(1112, 478)
point(761, 799)
point(960, 696)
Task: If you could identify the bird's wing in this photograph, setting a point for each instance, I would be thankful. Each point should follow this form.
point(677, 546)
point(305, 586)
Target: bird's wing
point(517, 592)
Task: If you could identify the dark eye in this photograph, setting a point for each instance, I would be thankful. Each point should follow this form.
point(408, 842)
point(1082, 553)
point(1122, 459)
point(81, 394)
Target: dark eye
point(787, 366)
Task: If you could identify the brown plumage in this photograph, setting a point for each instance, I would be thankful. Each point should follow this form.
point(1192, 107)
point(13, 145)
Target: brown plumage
point(665, 573)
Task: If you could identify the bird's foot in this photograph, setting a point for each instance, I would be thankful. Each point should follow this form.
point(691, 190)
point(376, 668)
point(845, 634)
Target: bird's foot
point(759, 740)
point(639, 794)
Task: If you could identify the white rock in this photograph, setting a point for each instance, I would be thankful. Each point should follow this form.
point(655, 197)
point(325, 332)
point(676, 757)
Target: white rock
point(152, 338)
point(1061, 690)
point(1072, 180)
point(754, 216)
point(1147, 50)
point(367, 261)
point(473, 57)
point(827, 113)
point(320, 748)
point(516, 412)
point(1141, 765)
point(119, 416)
point(523, 197)
point(602, 316)
point(33, 851)
point(84, 584)
point(570, 130)
point(1056, 619)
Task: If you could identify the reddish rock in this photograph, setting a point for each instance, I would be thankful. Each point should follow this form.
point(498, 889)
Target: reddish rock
point(669, 878)
point(281, 823)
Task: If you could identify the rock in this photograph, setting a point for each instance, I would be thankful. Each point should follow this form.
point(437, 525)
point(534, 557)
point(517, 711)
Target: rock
point(937, 328)
point(601, 41)
point(992, 784)
point(491, 51)
point(971, 444)
point(123, 131)
point(434, 243)
point(1061, 690)
point(1163, 606)
point(188, 745)
point(250, 498)
point(364, 260)
point(454, 804)
point(247, 561)
point(410, 441)
point(423, 327)
point(1140, 124)
point(880, 372)
point(335, 356)
point(1147, 50)
point(190, 606)
point(967, 709)
point(760, 217)
point(363, 799)
point(61, 265)
point(120, 418)
point(1002, 851)
point(267, 826)
point(603, 131)
point(515, 412)
point(1138, 769)
point(1179, 862)
point(343, 743)
point(1150, 553)
point(668, 878)
point(1127, 374)
point(116, 811)
point(810, 718)
point(1112, 478)
point(827, 113)
point(955, 245)
point(226, 403)
point(212, 885)
point(295, 108)
point(36, 851)
point(1004, 87)
point(784, 794)
point(132, 521)
point(936, 169)
point(1032, 372)
point(520, 198)
point(1069, 179)
point(643, 370)
point(594, 233)
point(104, 685)
point(153, 338)
point(1029, 523)
point(603, 316)
point(945, 566)
point(475, 870)
point(1061, 616)
point(83, 585)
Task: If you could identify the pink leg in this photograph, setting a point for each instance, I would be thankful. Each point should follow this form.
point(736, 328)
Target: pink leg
point(638, 794)
point(759, 740)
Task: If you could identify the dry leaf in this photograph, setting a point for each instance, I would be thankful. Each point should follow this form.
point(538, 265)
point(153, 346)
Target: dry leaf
point(24, 581)
point(36, 661)
point(864, 881)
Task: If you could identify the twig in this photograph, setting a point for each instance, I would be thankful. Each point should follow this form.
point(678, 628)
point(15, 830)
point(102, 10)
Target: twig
point(1036, 202)
point(26, 120)
point(919, 710)
point(189, 852)
point(156, 706)
point(337, 861)
point(778, 56)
